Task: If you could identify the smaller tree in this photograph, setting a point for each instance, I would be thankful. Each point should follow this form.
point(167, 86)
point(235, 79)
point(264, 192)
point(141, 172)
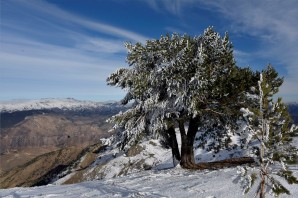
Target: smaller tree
point(269, 124)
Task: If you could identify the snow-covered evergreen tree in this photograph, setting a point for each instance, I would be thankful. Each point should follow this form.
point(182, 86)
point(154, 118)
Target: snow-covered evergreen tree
point(177, 81)
point(272, 132)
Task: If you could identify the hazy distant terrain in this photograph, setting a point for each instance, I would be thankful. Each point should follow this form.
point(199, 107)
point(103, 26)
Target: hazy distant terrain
point(293, 110)
point(32, 128)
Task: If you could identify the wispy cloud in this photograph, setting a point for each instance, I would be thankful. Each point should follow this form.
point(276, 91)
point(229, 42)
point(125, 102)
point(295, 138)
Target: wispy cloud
point(48, 51)
point(112, 30)
point(51, 71)
point(42, 9)
point(270, 19)
point(273, 23)
point(42, 43)
point(175, 7)
point(172, 6)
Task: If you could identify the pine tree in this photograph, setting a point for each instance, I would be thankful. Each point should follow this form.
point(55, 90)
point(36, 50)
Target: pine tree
point(269, 123)
point(176, 81)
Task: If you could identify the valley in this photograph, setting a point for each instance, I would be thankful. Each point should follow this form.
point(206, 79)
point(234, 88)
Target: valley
point(45, 127)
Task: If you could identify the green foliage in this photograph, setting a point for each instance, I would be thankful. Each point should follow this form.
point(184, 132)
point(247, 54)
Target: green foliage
point(270, 124)
point(278, 188)
point(176, 78)
point(252, 178)
point(288, 175)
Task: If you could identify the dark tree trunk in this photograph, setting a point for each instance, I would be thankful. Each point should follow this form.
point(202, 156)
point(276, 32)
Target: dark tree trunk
point(262, 190)
point(187, 153)
point(174, 144)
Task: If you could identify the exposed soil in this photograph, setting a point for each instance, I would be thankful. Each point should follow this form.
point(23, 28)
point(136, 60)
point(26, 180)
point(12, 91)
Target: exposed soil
point(40, 134)
point(15, 158)
point(41, 169)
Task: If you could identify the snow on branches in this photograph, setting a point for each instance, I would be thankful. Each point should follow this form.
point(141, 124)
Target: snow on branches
point(174, 77)
point(181, 81)
point(269, 124)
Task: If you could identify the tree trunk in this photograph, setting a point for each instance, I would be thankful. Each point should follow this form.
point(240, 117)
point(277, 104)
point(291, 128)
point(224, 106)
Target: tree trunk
point(187, 154)
point(174, 144)
point(187, 151)
point(262, 190)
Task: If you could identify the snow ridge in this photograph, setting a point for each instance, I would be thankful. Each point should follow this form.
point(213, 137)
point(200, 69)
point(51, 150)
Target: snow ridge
point(46, 104)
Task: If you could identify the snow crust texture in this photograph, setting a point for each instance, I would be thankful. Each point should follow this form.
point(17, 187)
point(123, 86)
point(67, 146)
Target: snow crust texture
point(175, 182)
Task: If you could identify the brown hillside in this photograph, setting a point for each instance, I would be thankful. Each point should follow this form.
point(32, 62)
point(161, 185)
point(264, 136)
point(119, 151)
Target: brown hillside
point(39, 170)
point(40, 134)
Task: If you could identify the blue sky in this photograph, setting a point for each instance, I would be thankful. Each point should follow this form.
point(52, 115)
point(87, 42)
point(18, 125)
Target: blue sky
point(67, 48)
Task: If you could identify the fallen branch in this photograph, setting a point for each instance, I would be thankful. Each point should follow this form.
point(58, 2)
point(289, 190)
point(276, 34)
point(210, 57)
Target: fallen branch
point(232, 162)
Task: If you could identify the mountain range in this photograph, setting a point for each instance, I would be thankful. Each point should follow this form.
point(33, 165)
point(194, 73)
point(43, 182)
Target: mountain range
point(30, 128)
point(62, 138)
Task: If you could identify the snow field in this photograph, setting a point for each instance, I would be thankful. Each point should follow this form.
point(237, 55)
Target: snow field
point(161, 181)
point(175, 182)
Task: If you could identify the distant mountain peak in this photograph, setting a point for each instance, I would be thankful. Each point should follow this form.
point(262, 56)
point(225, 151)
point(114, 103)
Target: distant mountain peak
point(50, 103)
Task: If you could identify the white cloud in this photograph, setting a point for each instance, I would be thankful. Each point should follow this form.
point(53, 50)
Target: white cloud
point(268, 18)
point(175, 7)
point(112, 30)
point(48, 75)
point(272, 22)
point(275, 23)
point(49, 39)
point(47, 52)
point(102, 45)
point(53, 13)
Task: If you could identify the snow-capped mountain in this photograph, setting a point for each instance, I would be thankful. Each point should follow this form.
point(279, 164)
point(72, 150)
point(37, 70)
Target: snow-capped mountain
point(46, 104)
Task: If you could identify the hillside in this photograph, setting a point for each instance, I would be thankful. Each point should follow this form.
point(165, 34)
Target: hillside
point(97, 162)
point(125, 176)
point(33, 128)
point(40, 150)
point(38, 171)
point(50, 130)
point(40, 134)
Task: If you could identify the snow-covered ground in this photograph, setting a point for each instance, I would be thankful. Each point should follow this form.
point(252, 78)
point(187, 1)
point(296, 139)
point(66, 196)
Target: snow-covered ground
point(69, 103)
point(174, 182)
point(161, 181)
